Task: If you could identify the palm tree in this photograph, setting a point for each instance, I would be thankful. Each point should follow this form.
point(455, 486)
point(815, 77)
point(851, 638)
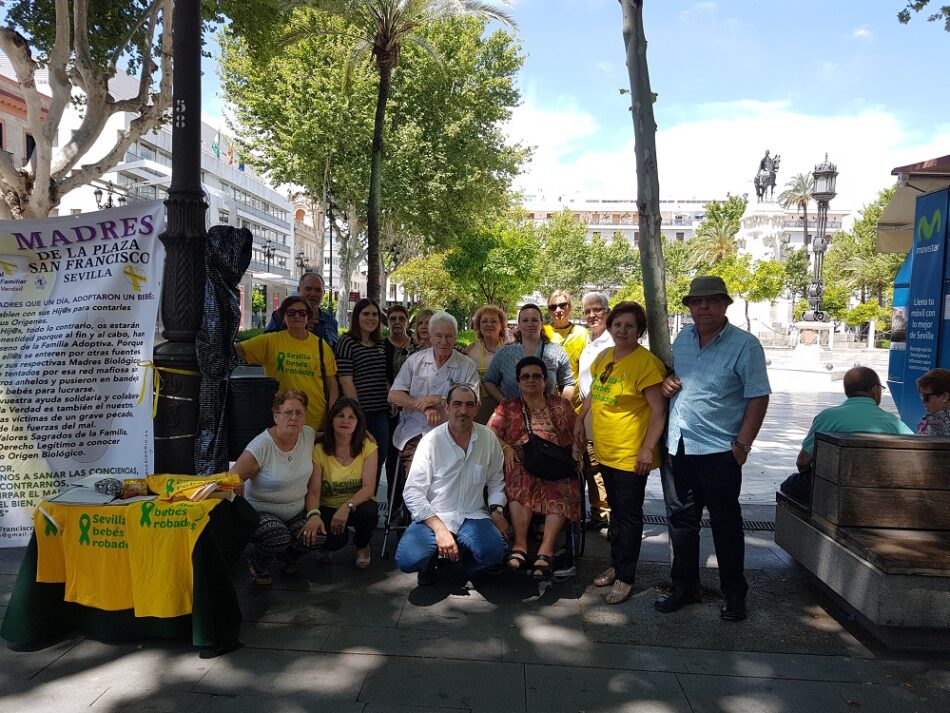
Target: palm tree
point(797, 193)
point(383, 26)
point(715, 240)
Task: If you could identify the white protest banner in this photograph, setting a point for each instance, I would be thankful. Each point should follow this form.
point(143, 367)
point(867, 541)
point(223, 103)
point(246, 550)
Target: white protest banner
point(79, 300)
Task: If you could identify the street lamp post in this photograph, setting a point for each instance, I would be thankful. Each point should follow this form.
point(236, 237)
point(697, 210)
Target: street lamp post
point(301, 261)
point(826, 174)
point(269, 249)
point(182, 306)
point(120, 199)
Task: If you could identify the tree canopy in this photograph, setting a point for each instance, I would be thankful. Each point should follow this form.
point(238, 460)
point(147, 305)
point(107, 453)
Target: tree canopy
point(941, 14)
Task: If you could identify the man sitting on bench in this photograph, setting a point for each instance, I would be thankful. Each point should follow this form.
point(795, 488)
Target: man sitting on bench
point(860, 413)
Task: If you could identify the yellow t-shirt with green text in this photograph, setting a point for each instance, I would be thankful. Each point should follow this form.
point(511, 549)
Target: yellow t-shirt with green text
point(620, 414)
point(295, 363)
point(340, 482)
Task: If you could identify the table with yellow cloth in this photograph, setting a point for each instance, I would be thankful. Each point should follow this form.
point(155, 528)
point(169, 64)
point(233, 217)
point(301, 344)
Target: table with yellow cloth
point(152, 568)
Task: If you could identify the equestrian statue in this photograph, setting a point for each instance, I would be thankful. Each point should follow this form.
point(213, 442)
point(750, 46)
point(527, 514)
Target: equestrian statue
point(765, 178)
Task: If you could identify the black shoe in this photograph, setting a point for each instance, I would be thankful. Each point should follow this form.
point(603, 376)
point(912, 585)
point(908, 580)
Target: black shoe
point(733, 609)
point(427, 576)
point(599, 523)
point(674, 601)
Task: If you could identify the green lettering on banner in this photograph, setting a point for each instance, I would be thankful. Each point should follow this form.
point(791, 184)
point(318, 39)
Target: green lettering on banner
point(146, 519)
point(84, 524)
point(169, 486)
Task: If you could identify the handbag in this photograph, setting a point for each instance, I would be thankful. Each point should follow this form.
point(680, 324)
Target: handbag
point(543, 459)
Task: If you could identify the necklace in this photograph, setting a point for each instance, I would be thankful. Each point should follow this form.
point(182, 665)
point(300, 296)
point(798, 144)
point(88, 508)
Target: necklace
point(490, 351)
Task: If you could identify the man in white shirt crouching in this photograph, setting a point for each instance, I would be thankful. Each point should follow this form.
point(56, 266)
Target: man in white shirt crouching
point(445, 494)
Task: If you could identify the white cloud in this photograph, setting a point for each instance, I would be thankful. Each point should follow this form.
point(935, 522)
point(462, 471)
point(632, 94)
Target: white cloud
point(862, 32)
point(719, 150)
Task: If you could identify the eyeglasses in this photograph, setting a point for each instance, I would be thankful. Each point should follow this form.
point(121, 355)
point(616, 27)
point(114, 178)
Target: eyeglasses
point(606, 373)
point(925, 397)
point(531, 377)
point(697, 301)
point(594, 310)
point(559, 305)
point(292, 414)
point(296, 313)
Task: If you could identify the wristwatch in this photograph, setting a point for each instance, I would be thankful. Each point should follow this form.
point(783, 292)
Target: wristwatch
point(496, 508)
point(350, 505)
point(743, 446)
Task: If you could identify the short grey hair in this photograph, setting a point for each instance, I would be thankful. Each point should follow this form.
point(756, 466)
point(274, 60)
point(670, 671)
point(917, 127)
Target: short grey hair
point(443, 316)
point(307, 276)
point(599, 296)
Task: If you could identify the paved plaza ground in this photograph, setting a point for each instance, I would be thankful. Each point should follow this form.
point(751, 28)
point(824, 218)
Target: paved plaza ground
point(335, 639)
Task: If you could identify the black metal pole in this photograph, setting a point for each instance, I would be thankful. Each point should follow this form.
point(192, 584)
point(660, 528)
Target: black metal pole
point(184, 274)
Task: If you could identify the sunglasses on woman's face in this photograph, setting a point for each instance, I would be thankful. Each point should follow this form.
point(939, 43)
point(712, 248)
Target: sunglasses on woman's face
point(608, 370)
point(531, 377)
point(295, 313)
point(559, 305)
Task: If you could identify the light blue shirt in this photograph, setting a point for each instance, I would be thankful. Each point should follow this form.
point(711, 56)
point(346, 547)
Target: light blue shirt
point(859, 414)
point(718, 381)
point(501, 371)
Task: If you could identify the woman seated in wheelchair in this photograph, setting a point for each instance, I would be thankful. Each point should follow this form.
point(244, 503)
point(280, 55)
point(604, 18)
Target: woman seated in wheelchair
point(554, 490)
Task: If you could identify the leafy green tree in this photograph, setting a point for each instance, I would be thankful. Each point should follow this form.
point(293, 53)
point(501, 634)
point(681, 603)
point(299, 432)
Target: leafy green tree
point(715, 238)
point(768, 281)
point(797, 273)
point(564, 254)
point(495, 264)
point(797, 193)
point(941, 15)
point(678, 275)
point(428, 278)
point(382, 27)
point(738, 272)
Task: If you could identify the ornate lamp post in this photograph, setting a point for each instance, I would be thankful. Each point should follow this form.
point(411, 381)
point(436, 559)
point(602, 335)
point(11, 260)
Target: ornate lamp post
point(826, 174)
point(301, 261)
point(109, 202)
point(182, 308)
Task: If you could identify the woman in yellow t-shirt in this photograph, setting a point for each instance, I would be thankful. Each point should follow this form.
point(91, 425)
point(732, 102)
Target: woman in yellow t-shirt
point(572, 337)
point(490, 327)
point(628, 413)
point(345, 462)
point(299, 360)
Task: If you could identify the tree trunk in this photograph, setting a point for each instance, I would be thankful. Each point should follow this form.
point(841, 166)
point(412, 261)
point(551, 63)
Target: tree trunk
point(805, 236)
point(648, 184)
point(376, 185)
point(748, 322)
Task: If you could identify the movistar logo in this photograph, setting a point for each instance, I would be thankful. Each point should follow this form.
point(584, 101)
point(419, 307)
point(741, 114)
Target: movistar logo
point(927, 228)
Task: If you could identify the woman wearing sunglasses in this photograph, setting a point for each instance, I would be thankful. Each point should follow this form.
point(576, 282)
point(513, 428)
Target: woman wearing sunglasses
point(934, 388)
point(628, 413)
point(299, 360)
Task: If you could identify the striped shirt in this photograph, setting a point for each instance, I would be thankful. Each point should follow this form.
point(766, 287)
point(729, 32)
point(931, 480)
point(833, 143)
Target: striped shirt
point(367, 366)
point(718, 380)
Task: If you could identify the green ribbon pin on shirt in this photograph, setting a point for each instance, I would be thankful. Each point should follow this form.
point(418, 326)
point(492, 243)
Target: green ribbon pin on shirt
point(146, 519)
point(50, 527)
point(84, 524)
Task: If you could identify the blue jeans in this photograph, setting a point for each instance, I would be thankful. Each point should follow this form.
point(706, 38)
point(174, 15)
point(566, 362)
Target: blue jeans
point(480, 546)
point(378, 424)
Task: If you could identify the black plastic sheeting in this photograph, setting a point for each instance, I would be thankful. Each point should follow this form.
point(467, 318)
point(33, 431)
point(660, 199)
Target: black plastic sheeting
point(227, 257)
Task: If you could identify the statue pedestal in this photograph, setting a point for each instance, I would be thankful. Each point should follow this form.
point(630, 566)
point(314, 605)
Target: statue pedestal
point(812, 339)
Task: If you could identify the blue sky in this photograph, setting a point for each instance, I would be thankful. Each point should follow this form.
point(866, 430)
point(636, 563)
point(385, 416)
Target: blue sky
point(734, 78)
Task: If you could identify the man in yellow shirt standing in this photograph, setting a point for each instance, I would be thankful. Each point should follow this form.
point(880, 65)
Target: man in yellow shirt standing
point(572, 337)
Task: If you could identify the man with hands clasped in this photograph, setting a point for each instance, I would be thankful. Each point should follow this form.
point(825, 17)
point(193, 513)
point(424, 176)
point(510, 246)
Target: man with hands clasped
point(453, 465)
point(719, 394)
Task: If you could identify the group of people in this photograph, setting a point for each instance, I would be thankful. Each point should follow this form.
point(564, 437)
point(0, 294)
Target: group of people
point(489, 440)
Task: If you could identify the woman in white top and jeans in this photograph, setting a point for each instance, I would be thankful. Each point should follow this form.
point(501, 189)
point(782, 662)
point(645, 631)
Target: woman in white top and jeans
point(281, 483)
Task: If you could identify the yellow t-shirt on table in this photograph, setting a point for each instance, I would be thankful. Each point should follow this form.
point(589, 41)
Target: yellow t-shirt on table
point(620, 413)
point(340, 482)
point(295, 363)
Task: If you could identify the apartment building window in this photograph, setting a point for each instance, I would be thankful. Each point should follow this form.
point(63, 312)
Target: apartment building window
point(224, 216)
point(681, 236)
point(636, 239)
point(30, 146)
point(2, 136)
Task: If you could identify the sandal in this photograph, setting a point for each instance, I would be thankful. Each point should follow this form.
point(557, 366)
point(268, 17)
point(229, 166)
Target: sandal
point(618, 595)
point(541, 569)
point(363, 558)
point(517, 560)
point(260, 577)
point(605, 578)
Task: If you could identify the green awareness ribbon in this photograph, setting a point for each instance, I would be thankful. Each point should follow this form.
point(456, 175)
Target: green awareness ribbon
point(84, 524)
point(169, 486)
point(50, 527)
point(146, 519)
point(280, 361)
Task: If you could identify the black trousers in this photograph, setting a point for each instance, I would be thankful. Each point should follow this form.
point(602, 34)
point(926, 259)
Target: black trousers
point(689, 484)
point(362, 520)
point(625, 491)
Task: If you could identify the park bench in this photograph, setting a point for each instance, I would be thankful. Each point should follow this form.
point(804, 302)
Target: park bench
point(877, 533)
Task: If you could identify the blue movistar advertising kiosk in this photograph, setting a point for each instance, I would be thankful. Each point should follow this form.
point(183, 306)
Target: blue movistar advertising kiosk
point(920, 329)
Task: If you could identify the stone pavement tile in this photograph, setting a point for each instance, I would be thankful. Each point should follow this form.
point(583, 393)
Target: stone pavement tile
point(280, 675)
point(569, 689)
point(387, 708)
point(275, 606)
point(142, 668)
point(50, 697)
point(477, 685)
point(117, 700)
point(734, 694)
point(784, 616)
point(784, 666)
point(21, 666)
point(288, 637)
point(471, 645)
point(299, 702)
point(537, 646)
point(871, 698)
